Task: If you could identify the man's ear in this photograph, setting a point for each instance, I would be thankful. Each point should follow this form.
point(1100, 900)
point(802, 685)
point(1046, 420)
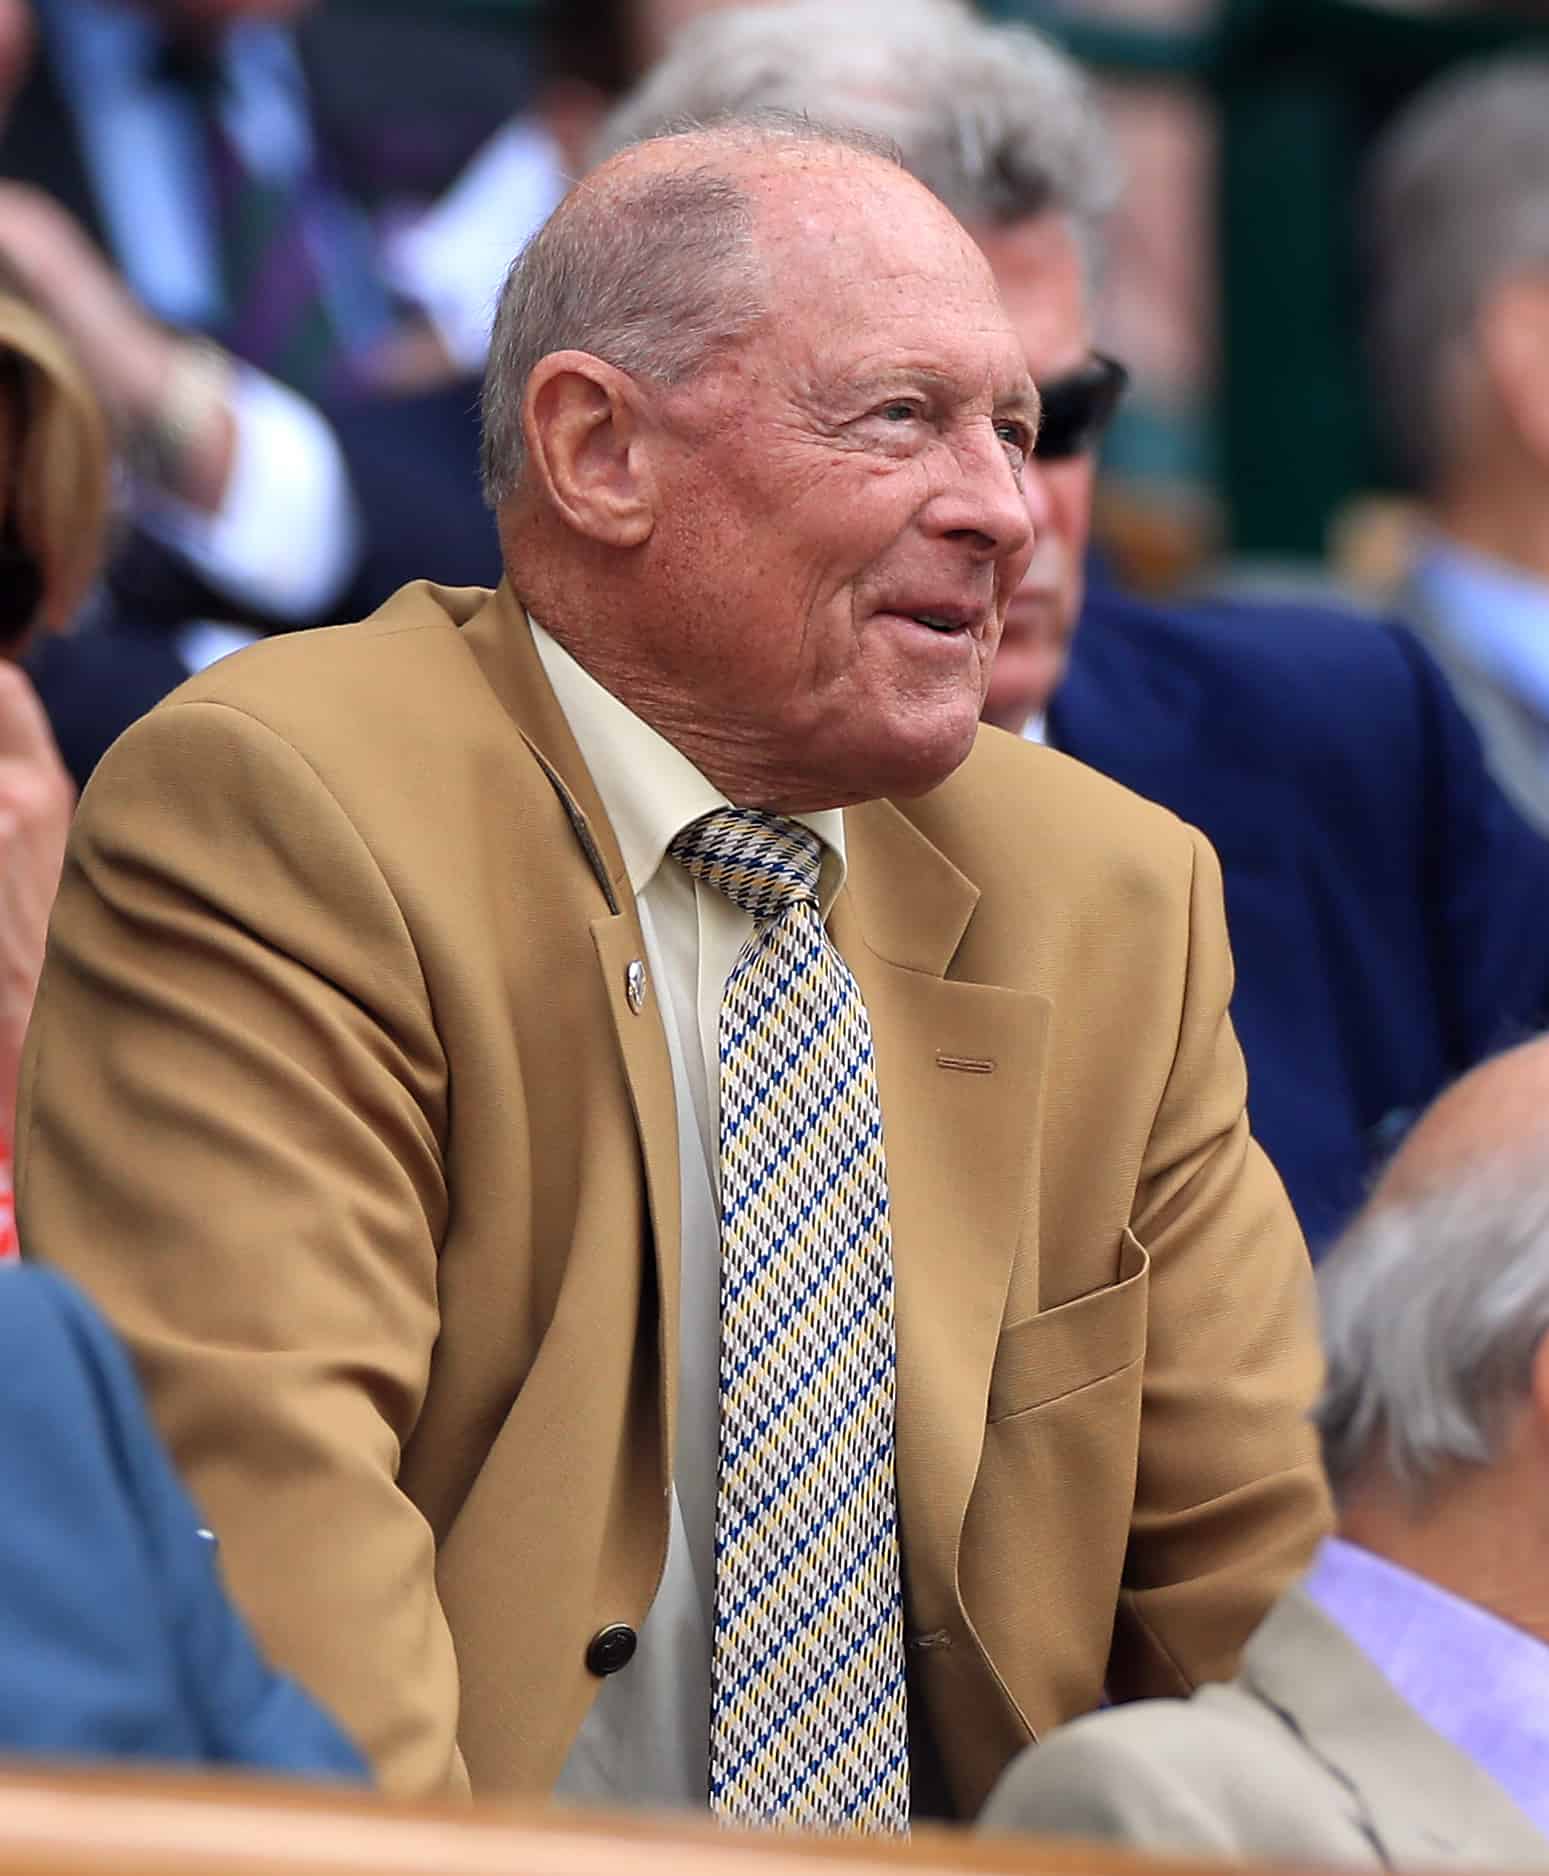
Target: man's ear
point(583, 422)
point(1514, 345)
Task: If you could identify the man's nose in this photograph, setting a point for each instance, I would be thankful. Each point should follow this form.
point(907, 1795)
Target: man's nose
point(989, 503)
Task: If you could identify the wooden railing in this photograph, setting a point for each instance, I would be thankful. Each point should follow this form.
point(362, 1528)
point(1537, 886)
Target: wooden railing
point(90, 1824)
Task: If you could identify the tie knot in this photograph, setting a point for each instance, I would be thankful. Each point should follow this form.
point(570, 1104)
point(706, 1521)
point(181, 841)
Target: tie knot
point(762, 862)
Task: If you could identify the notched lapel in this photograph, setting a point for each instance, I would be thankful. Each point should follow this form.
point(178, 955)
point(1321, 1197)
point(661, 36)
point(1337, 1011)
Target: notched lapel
point(962, 1156)
point(648, 1069)
point(501, 641)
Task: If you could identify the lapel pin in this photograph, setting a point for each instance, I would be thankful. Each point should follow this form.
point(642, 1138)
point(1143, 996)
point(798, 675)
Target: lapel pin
point(634, 985)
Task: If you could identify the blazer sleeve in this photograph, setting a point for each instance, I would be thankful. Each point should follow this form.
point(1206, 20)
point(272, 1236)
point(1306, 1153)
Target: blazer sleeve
point(244, 1170)
point(1230, 1501)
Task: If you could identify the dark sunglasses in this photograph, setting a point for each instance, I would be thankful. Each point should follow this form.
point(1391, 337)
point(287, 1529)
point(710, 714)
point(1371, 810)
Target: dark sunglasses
point(1078, 406)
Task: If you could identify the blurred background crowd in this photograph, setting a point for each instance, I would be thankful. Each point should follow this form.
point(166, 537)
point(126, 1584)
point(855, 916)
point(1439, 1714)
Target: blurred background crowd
point(1280, 268)
point(249, 251)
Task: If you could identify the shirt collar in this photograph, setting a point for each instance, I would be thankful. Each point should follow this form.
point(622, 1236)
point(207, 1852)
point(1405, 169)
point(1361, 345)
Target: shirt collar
point(649, 788)
point(1480, 1683)
point(1498, 615)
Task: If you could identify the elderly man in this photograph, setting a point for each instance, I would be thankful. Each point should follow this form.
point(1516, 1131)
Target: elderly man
point(1459, 329)
point(459, 1027)
point(1386, 904)
point(1394, 1708)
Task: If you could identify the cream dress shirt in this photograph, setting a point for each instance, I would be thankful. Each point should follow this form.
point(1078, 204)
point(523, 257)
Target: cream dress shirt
point(646, 1739)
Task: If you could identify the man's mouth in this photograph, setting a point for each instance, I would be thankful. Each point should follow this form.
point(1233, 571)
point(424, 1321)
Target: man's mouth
point(945, 620)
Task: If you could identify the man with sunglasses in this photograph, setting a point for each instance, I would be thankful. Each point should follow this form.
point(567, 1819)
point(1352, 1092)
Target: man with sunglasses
point(1386, 903)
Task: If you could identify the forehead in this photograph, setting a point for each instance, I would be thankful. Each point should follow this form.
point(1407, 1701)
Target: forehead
point(1041, 275)
point(869, 271)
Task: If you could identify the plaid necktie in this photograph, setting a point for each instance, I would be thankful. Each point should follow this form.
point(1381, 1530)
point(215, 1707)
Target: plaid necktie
point(808, 1716)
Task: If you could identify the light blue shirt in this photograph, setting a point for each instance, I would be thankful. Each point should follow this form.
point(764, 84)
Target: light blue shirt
point(1497, 616)
point(1476, 1680)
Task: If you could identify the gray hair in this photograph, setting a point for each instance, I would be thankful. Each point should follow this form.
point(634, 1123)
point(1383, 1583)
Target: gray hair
point(1456, 199)
point(655, 274)
point(1433, 1310)
point(992, 118)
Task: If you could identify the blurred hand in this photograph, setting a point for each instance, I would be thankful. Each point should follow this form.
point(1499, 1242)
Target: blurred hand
point(130, 357)
point(36, 802)
point(125, 353)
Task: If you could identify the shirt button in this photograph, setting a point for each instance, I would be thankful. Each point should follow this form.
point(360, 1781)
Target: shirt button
point(610, 1649)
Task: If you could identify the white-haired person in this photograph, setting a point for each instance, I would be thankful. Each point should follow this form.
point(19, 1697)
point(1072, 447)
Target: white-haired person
point(1394, 1708)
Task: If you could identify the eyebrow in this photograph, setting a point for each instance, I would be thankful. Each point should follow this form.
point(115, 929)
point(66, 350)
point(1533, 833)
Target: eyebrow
point(1027, 404)
point(1022, 402)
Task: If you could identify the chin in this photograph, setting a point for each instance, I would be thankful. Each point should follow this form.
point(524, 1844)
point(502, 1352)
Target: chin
point(917, 765)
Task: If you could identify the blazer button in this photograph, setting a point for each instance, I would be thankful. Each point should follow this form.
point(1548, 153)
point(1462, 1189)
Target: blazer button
point(611, 1648)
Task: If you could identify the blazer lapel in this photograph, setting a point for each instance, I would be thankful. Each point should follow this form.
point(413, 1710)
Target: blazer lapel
point(500, 640)
point(960, 1073)
point(1418, 1798)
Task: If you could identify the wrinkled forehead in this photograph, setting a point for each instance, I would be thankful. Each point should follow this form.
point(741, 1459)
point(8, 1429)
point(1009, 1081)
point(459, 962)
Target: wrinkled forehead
point(862, 261)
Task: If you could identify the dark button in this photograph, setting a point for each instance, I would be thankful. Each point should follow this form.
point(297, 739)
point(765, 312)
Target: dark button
point(611, 1648)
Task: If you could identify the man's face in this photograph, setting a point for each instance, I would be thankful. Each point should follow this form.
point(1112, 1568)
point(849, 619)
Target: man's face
point(842, 521)
point(1038, 269)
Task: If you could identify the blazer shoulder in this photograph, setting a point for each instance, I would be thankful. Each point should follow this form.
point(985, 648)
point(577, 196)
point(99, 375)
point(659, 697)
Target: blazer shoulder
point(1007, 772)
point(361, 705)
point(1217, 1773)
point(413, 638)
point(1018, 812)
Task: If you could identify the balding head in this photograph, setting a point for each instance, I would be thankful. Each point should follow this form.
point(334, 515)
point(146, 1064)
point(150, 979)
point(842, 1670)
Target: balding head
point(776, 425)
point(1436, 1302)
point(654, 264)
point(1497, 1113)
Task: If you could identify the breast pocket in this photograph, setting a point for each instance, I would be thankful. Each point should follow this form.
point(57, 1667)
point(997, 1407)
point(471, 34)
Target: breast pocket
point(1043, 1546)
point(1063, 1350)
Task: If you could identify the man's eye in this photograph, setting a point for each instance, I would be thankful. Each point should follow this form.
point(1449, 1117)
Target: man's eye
point(1017, 437)
point(898, 412)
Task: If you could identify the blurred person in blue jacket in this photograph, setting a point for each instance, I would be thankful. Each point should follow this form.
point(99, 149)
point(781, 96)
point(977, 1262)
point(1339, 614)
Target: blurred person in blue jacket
point(1387, 904)
point(117, 1638)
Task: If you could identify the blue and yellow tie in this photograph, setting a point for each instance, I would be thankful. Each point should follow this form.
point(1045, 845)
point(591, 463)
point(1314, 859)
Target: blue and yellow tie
point(808, 1717)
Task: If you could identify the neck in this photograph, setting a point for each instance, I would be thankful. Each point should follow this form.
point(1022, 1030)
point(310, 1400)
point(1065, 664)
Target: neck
point(728, 756)
point(1472, 1539)
point(560, 582)
point(1502, 516)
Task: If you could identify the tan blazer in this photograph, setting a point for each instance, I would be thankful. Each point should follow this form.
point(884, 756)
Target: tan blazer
point(1308, 1757)
point(335, 1099)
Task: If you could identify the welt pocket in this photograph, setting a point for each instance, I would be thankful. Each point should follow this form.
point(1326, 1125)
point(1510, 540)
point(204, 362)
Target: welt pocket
point(1082, 1341)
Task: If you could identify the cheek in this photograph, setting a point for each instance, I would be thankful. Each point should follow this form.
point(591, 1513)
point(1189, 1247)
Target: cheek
point(1070, 485)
